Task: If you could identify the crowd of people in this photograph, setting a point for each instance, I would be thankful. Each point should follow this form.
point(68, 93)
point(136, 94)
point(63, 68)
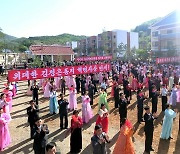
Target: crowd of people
point(147, 81)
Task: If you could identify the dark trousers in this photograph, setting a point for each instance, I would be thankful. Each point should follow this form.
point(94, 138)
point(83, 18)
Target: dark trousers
point(62, 116)
point(35, 98)
point(83, 91)
point(91, 99)
point(140, 114)
point(154, 107)
point(63, 90)
point(39, 151)
point(148, 140)
point(122, 116)
point(150, 93)
point(31, 128)
point(78, 88)
point(164, 102)
point(116, 102)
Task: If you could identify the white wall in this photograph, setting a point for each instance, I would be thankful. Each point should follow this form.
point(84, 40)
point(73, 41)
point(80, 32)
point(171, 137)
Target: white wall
point(121, 37)
point(74, 44)
point(134, 40)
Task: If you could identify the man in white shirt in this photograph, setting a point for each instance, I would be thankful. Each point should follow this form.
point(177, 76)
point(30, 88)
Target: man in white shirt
point(164, 93)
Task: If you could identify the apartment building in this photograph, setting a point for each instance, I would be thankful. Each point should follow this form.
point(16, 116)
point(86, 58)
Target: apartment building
point(109, 42)
point(165, 34)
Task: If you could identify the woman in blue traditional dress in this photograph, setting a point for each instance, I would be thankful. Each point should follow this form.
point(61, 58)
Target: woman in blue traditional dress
point(167, 123)
point(53, 104)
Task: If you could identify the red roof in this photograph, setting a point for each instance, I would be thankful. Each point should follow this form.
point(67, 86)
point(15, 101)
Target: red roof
point(50, 50)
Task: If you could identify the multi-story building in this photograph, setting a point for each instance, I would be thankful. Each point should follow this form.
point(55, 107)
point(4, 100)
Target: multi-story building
point(165, 34)
point(72, 44)
point(108, 42)
point(91, 44)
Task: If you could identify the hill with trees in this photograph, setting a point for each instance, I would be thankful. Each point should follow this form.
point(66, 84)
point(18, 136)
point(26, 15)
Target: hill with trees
point(144, 37)
point(22, 44)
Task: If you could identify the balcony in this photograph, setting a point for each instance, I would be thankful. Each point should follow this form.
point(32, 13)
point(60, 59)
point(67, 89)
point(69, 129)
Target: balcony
point(169, 36)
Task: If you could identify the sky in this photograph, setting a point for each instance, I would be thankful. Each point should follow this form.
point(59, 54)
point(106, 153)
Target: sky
point(26, 18)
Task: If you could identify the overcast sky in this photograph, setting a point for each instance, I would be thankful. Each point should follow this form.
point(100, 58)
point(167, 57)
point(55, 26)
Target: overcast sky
point(24, 18)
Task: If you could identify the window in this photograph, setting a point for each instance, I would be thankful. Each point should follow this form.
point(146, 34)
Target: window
point(155, 44)
point(169, 44)
point(109, 38)
point(155, 34)
point(114, 36)
point(169, 31)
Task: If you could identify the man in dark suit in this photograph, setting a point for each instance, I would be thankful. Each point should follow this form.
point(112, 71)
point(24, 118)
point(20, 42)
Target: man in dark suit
point(83, 82)
point(91, 92)
point(78, 83)
point(116, 95)
point(150, 84)
point(155, 95)
point(40, 137)
point(140, 104)
point(123, 103)
point(149, 129)
point(63, 111)
point(35, 89)
point(99, 140)
point(32, 112)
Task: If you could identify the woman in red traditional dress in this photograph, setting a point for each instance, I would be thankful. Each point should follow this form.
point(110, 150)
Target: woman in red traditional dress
point(76, 133)
point(120, 81)
point(103, 119)
point(134, 84)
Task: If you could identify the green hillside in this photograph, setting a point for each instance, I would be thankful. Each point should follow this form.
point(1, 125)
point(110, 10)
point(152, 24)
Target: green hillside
point(22, 44)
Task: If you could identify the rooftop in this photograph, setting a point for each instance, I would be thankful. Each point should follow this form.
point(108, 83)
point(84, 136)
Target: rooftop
point(50, 50)
point(172, 18)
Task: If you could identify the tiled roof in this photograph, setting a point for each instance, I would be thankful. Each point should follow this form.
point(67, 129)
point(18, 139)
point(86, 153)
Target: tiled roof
point(50, 50)
point(171, 18)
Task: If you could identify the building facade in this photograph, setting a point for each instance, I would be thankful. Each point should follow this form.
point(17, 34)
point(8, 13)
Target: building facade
point(52, 53)
point(165, 34)
point(108, 42)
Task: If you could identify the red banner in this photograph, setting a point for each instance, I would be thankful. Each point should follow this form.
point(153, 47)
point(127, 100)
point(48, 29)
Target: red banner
point(95, 58)
point(39, 73)
point(167, 60)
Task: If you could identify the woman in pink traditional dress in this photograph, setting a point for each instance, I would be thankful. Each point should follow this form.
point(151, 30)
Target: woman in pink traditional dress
point(87, 113)
point(5, 138)
point(47, 89)
point(14, 89)
point(146, 80)
point(100, 77)
point(107, 78)
point(57, 82)
point(8, 97)
point(72, 98)
point(88, 79)
point(72, 81)
point(178, 93)
point(134, 84)
point(130, 79)
point(41, 81)
point(3, 103)
point(103, 119)
point(29, 92)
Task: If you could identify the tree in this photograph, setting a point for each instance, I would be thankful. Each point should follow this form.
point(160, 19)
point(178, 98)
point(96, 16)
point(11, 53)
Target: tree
point(122, 48)
point(142, 54)
point(22, 48)
point(104, 41)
